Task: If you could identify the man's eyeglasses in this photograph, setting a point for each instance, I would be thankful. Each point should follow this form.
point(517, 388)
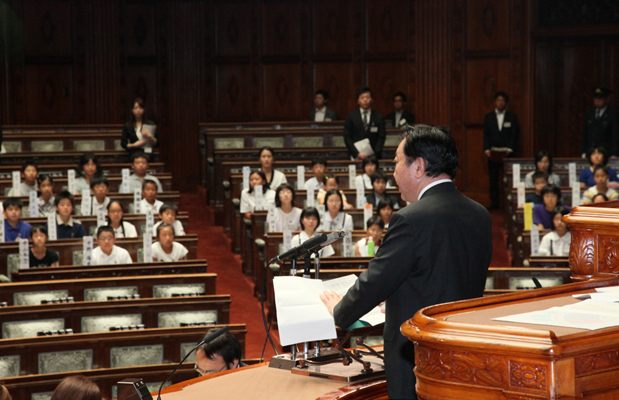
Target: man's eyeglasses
point(206, 372)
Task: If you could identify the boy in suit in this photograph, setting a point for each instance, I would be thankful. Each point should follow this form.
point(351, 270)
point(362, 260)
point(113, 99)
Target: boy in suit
point(364, 123)
point(501, 131)
point(322, 112)
point(601, 128)
point(400, 116)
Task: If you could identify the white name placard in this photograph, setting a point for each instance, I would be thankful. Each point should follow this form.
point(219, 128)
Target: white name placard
point(572, 170)
point(347, 243)
point(259, 197)
point(534, 240)
point(101, 218)
point(87, 248)
point(148, 247)
point(150, 223)
point(16, 182)
point(352, 174)
point(245, 177)
point(367, 214)
point(576, 200)
point(361, 196)
point(33, 206)
point(300, 176)
point(24, 253)
point(521, 197)
point(287, 239)
point(125, 181)
point(311, 198)
point(86, 202)
point(51, 226)
point(137, 198)
point(71, 181)
point(516, 175)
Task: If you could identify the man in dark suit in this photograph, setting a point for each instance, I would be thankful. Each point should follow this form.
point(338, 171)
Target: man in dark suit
point(400, 116)
point(601, 126)
point(322, 112)
point(364, 123)
point(500, 132)
point(437, 249)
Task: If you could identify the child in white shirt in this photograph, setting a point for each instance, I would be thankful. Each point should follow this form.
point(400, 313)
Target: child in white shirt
point(98, 190)
point(168, 213)
point(166, 249)
point(310, 219)
point(319, 168)
point(107, 252)
point(248, 196)
point(149, 197)
point(286, 215)
point(122, 228)
point(335, 219)
point(557, 242)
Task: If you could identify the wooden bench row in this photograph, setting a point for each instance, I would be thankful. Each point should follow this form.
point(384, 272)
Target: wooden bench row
point(68, 157)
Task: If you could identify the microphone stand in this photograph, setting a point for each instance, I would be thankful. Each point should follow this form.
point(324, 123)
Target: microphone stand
point(293, 272)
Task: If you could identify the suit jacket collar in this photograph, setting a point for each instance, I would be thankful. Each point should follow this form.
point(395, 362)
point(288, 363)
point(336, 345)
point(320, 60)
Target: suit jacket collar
point(440, 188)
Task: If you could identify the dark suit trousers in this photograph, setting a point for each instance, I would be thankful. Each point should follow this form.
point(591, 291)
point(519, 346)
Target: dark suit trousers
point(494, 171)
point(400, 348)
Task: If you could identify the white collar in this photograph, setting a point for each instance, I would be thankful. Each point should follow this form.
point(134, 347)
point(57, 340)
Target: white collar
point(499, 112)
point(321, 110)
point(431, 185)
point(369, 111)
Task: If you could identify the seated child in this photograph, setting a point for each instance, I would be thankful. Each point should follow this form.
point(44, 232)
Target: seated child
point(332, 182)
point(66, 226)
point(99, 188)
point(41, 256)
point(107, 252)
point(369, 165)
point(600, 174)
point(557, 242)
point(385, 211)
point(319, 168)
point(166, 249)
point(541, 212)
point(309, 220)
point(29, 173)
point(379, 184)
point(122, 228)
point(248, 196)
point(46, 198)
point(286, 215)
point(540, 179)
point(335, 219)
point(87, 170)
point(139, 164)
point(168, 214)
point(14, 227)
point(600, 198)
point(374, 231)
point(149, 197)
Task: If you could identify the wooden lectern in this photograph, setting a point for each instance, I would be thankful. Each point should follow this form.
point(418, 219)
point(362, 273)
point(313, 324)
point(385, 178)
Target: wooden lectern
point(462, 353)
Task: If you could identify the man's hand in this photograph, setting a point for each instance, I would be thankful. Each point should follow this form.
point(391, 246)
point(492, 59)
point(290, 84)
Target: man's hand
point(361, 156)
point(330, 299)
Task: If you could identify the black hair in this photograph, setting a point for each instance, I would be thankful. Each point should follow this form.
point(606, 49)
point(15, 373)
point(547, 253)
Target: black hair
point(552, 189)
point(269, 148)
point(138, 154)
point(538, 175)
point(369, 160)
point(402, 95)
point(503, 95)
point(309, 212)
point(335, 192)
point(599, 149)
point(376, 220)
point(131, 116)
point(167, 206)
point(105, 228)
point(435, 146)
point(109, 221)
point(319, 160)
point(12, 201)
point(598, 195)
point(97, 181)
point(382, 204)
point(363, 90)
point(29, 163)
point(45, 177)
point(553, 213)
point(278, 202)
point(226, 345)
point(265, 185)
point(540, 155)
point(165, 225)
point(85, 159)
point(378, 175)
point(38, 228)
point(65, 194)
point(601, 168)
point(147, 181)
point(324, 94)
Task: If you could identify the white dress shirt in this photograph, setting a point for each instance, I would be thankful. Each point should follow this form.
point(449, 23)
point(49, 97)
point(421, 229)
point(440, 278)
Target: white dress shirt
point(500, 116)
point(130, 231)
point(553, 245)
point(431, 185)
point(319, 116)
point(248, 200)
point(145, 206)
point(118, 255)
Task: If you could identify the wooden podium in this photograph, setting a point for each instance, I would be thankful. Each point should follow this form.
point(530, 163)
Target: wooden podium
point(461, 353)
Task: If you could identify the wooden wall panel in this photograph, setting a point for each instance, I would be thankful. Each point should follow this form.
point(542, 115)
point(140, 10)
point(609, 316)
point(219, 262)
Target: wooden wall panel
point(47, 25)
point(139, 30)
point(141, 81)
point(337, 79)
point(48, 94)
point(483, 79)
point(386, 79)
point(234, 92)
point(234, 28)
point(474, 169)
point(281, 22)
point(386, 22)
point(332, 28)
point(281, 92)
point(487, 24)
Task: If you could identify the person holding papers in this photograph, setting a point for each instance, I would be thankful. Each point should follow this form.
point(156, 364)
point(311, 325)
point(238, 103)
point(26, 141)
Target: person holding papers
point(436, 250)
point(364, 123)
point(108, 253)
point(335, 219)
point(248, 196)
point(310, 219)
point(557, 242)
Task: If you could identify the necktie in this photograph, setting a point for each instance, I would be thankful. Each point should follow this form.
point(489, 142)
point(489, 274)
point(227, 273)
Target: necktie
point(365, 120)
point(597, 113)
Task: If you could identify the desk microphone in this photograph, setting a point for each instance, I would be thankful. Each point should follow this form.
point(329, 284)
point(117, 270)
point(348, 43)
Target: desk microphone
point(207, 339)
point(311, 245)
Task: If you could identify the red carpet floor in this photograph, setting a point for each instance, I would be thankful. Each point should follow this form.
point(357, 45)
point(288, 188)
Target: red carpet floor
point(500, 255)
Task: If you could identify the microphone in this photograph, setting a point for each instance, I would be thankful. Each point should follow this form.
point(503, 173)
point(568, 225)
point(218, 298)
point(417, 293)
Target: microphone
point(207, 339)
point(309, 245)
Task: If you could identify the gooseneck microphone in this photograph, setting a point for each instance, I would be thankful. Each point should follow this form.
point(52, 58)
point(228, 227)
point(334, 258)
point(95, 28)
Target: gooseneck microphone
point(301, 250)
point(207, 339)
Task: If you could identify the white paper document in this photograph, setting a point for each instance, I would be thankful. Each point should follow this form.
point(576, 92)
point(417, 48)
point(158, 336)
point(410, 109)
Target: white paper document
point(341, 285)
point(363, 146)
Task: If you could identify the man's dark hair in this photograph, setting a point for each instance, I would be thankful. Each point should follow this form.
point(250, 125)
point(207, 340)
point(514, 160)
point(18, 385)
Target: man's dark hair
point(363, 90)
point(97, 181)
point(12, 201)
point(378, 175)
point(600, 150)
point(105, 228)
point(435, 146)
point(65, 194)
point(376, 220)
point(540, 155)
point(402, 95)
point(369, 160)
point(226, 345)
point(319, 160)
point(309, 212)
point(324, 94)
point(503, 95)
point(539, 175)
point(138, 154)
point(278, 202)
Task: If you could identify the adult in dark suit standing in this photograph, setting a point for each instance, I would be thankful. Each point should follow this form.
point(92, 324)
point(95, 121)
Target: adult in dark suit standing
point(364, 123)
point(601, 128)
point(321, 112)
point(500, 131)
point(437, 249)
point(400, 116)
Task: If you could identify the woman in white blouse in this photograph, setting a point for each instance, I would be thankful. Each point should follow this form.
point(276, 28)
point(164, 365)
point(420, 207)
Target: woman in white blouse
point(557, 242)
point(286, 216)
point(309, 220)
point(248, 196)
point(335, 219)
point(122, 229)
point(273, 177)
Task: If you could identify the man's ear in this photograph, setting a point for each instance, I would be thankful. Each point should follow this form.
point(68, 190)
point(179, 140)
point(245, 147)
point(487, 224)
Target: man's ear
point(234, 364)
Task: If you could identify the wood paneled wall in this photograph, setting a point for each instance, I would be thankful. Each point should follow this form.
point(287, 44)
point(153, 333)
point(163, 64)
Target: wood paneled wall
point(84, 61)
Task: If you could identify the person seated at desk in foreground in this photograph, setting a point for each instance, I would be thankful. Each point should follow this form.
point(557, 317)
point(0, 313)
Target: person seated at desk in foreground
point(541, 212)
point(108, 253)
point(221, 354)
point(540, 180)
point(309, 221)
point(14, 226)
point(557, 242)
point(600, 174)
point(149, 197)
point(597, 156)
point(122, 228)
point(139, 164)
point(364, 123)
point(168, 214)
point(363, 248)
point(248, 196)
point(40, 255)
point(166, 249)
point(66, 226)
point(321, 113)
point(29, 173)
point(319, 168)
point(400, 116)
point(543, 163)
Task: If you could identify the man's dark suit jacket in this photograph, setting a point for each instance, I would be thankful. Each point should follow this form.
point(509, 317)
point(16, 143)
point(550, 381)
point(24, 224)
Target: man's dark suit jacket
point(504, 138)
point(353, 132)
point(601, 132)
point(329, 114)
point(409, 117)
point(436, 250)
